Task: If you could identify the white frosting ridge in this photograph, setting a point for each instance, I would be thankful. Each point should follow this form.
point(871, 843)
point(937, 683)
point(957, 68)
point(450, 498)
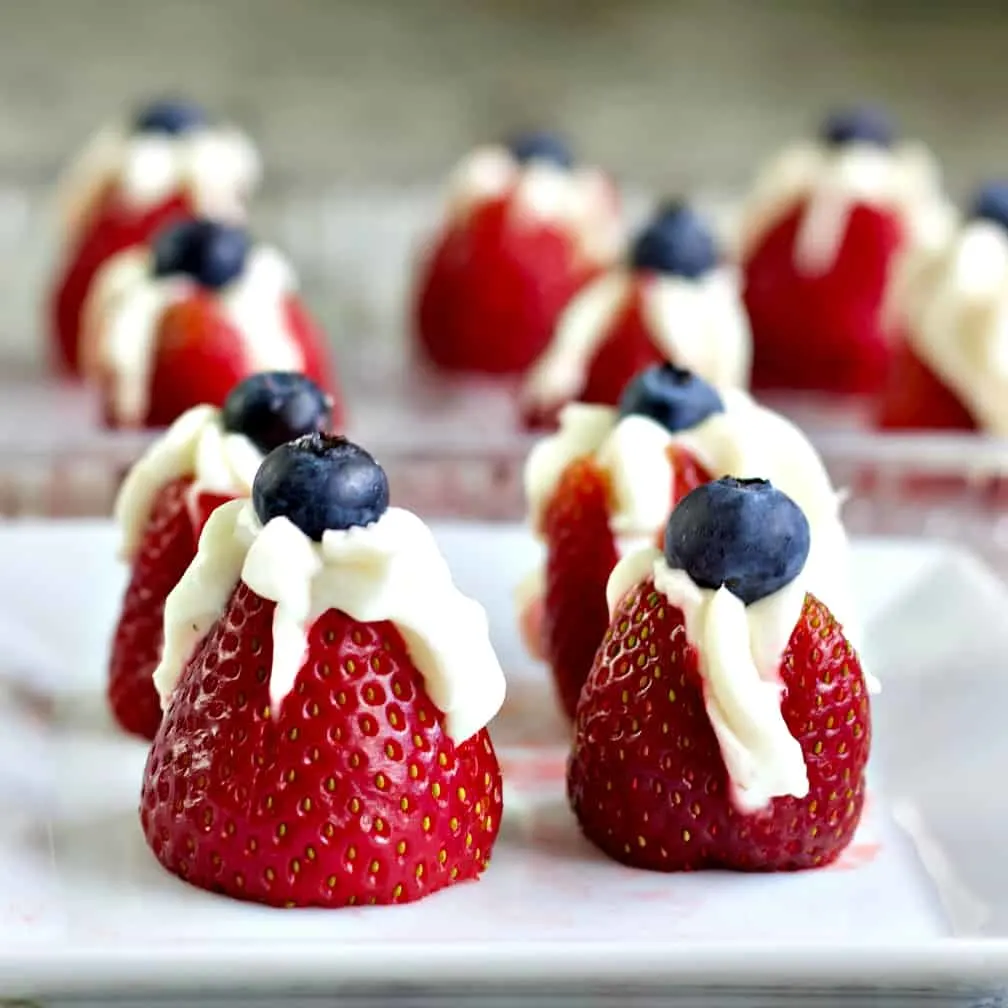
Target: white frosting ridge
point(833, 181)
point(196, 445)
point(217, 166)
point(951, 300)
point(578, 199)
point(123, 312)
point(390, 570)
point(739, 649)
point(697, 324)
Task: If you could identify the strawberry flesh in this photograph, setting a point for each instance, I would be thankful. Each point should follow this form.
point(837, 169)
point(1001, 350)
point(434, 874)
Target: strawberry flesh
point(647, 780)
point(350, 794)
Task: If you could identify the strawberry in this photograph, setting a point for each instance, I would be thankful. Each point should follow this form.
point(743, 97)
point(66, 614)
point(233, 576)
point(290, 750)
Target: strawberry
point(492, 289)
point(823, 330)
point(671, 300)
point(647, 779)
point(200, 344)
point(162, 533)
point(915, 398)
point(581, 553)
point(199, 358)
point(351, 794)
point(111, 228)
point(165, 551)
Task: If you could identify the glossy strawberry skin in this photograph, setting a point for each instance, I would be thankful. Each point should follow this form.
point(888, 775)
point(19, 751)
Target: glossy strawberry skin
point(822, 332)
point(166, 549)
point(111, 228)
point(646, 778)
point(580, 555)
point(491, 290)
point(351, 794)
point(916, 399)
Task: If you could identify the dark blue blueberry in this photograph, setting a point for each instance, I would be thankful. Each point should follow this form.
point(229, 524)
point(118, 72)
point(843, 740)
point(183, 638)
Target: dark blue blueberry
point(743, 534)
point(210, 252)
point(676, 241)
point(274, 407)
point(867, 124)
point(169, 115)
point(541, 146)
point(991, 203)
point(677, 399)
point(320, 482)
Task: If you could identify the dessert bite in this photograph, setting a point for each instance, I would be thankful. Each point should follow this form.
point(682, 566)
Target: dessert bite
point(602, 486)
point(524, 229)
point(725, 722)
point(207, 457)
point(131, 179)
point(673, 299)
point(326, 690)
point(180, 323)
point(949, 312)
point(819, 236)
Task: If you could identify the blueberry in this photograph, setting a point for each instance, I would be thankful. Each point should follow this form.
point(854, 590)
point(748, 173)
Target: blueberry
point(275, 407)
point(743, 534)
point(210, 252)
point(867, 124)
point(320, 482)
point(676, 241)
point(677, 399)
point(171, 116)
point(991, 203)
point(541, 146)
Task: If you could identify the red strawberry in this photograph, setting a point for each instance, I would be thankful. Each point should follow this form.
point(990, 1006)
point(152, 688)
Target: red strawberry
point(580, 555)
point(492, 289)
point(647, 779)
point(200, 356)
point(626, 350)
point(351, 794)
point(916, 399)
point(822, 331)
point(111, 228)
point(165, 551)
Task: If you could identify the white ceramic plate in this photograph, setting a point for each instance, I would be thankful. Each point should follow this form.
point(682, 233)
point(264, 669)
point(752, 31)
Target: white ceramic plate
point(921, 897)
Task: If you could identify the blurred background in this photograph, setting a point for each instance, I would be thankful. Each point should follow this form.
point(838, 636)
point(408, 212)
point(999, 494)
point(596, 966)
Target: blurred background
point(361, 106)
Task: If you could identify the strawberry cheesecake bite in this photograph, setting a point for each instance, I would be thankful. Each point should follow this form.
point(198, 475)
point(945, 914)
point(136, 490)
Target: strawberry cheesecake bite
point(949, 306)
point(726, 721)
point(326, 691)
point(674, 299)
point(207, 457)
point(820, 234)
point(602, 486)
point(130, 180)
point(524, 229)
point(180, 323)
